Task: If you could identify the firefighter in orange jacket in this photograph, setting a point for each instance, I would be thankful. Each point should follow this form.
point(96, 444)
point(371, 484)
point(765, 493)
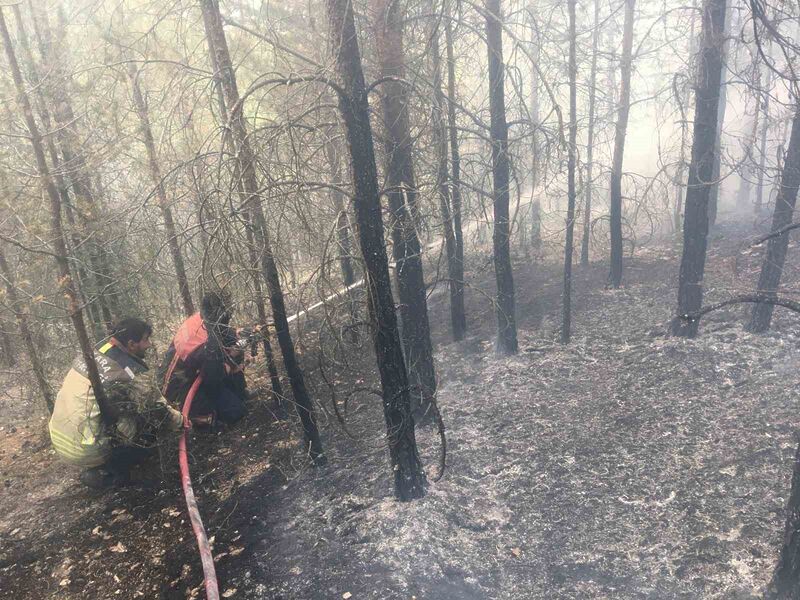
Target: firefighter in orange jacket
point(206, 345)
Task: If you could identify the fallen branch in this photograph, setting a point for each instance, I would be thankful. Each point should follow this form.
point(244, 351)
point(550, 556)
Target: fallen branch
point(744, 298)
point(775, 234)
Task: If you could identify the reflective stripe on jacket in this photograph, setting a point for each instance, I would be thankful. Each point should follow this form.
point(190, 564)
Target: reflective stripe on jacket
point(76, 427)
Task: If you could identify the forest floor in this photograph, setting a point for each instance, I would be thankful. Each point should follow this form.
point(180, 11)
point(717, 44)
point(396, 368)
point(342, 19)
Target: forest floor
point(626, 464)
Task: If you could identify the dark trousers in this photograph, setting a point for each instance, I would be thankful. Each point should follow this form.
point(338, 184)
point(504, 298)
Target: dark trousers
point(226, 399)
point(124, 457)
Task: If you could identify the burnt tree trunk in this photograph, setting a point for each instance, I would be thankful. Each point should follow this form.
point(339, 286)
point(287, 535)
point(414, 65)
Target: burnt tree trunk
point(161, 194)
point(221, 60)
point(409, 478)
point(252, 252)
point(21, 316)
point(566, 320)
point(9, 357)
point(261, 311)
point(762, 147)
point(713, 194)
point(439, 134)
point(66, 282)
point(683, 104)
point(343, 237)
point(621, 129)
point(785, 584)
point(506, 318)
point(342, 227)
point(535, 209)
point(85, 286)
point(459, 314)
point(401, 194)
point(775, 257)
point(587, 201)
point(80, 176)
point(748, 170)
point(695, 222)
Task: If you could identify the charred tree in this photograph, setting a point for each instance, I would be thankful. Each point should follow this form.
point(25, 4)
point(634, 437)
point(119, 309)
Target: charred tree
point(161, 193)
point(621, 129)
point(785, 583)
point(56, 94)
point(221, 60)
point(535, 207)
point(23, 323)
point(96, 307)
point(9, 357)
point(683, 103)
point(442, 180)
point(775, 257)
point(587, 200)
point(342, 226)
point(566, 320)
point(401, 194)
point(261, 311)
point(713, 194)
point(409, 478)
point(762, 146)
point(252, 252)
point(66, 282)
point(459, 314)
point(506, 318)
point(748, 168)
point(695, 223)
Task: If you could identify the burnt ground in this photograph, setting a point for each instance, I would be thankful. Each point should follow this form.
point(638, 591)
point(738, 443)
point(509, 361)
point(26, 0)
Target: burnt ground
point(627, 465)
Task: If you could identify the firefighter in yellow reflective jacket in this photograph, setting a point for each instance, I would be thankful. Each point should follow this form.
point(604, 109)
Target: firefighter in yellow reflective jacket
point(109, 449)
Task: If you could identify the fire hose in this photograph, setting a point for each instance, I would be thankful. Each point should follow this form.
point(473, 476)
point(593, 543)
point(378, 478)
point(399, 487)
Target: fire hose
point(209, 574)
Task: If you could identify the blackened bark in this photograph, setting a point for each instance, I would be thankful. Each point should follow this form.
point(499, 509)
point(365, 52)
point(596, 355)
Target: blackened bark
point(566, 316)
point(409, 478)
point(587, 203)
point(218, 46)
point(747, 171)
point(762, 147)
point(459, 314)
point(623, 110)
point(785, 582)
point(401, 194)
point(506, 318)
point(442, 180)
point(57, 95)
point(713, 193)
point(775, 257)
point(85, 286)
point(536, 209)
point(9, 357)
point(695, 223)
point(252, 251)
point(66, 282)
point(342, 226)
point(683, 106)
point(161, 194)
point(25, 333)
point(261, 311)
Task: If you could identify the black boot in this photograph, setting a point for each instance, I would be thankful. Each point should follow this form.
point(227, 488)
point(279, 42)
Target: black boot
point(97, 478)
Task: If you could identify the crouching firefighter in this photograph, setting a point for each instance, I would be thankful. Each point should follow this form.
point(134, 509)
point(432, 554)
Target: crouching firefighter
point(206, 345)
point(108, 445)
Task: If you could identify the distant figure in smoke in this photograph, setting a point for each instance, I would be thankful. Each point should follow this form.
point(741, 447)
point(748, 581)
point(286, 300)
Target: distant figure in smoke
point(108, 445)
point(206, 345)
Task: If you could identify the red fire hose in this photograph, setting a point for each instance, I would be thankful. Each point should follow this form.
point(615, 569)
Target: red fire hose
point(209, 574)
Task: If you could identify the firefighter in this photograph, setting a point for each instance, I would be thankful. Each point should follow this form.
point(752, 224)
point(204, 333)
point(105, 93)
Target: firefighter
point(108, 445)
point(206, 345)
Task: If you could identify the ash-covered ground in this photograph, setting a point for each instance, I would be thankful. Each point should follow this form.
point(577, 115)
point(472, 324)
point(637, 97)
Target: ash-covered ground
point(626, 464)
